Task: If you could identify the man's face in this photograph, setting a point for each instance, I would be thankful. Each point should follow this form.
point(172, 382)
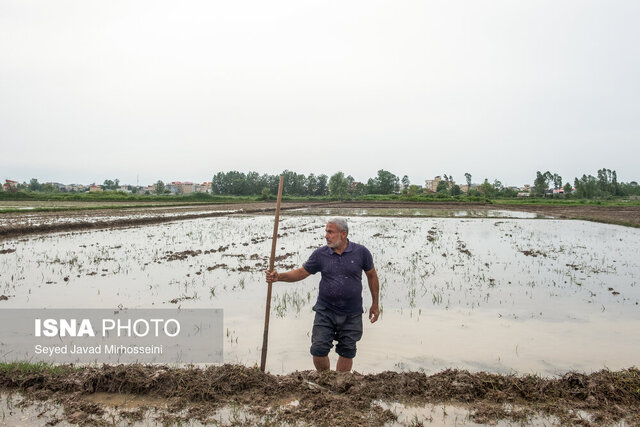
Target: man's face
point(334, 236)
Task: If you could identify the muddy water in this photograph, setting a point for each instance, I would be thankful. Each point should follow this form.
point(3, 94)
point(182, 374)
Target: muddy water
point(15, 410)
point(498, 294)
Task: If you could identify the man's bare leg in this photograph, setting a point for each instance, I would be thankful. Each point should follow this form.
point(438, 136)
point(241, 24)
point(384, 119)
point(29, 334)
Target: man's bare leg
point(321, 363)
point(344, 364)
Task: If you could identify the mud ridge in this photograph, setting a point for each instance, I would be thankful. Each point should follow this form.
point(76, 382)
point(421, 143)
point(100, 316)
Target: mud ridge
point(345, 399)
point(21, 230)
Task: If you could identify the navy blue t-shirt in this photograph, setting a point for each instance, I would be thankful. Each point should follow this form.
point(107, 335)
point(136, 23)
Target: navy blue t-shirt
point(341, 283)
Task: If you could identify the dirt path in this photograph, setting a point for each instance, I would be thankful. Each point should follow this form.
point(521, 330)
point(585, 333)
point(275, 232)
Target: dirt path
point(326, 398)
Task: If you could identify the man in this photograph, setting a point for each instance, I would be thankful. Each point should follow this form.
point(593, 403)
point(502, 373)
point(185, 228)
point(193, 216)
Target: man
point(339, 305)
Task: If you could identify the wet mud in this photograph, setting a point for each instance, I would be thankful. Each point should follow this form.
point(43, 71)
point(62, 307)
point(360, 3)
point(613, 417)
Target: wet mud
point(181, 394)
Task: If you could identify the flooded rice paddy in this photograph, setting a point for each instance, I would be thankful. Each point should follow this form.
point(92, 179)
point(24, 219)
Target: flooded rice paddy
point(38, 219)
point(504, 293)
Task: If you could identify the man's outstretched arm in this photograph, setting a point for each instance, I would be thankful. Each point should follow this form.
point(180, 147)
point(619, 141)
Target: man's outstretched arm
point(289, 276)
point(374, 287)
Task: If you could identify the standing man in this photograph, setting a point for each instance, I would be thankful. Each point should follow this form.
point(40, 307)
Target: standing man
point(339, 305)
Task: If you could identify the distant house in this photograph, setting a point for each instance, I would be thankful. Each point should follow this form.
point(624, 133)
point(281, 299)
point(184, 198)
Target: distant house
point(10, 185)
point(95, 189)
point(178, 187)
point(75, 188)
point(431, 185)
point(205, 187)
point(557, 192)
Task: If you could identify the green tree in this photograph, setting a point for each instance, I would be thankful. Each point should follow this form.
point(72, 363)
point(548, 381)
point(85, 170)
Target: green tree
point(159, 187)
point(541, 183)
point(508, 192)
point(614, 184)
point(218, 185)
point(604, 176)
point(385, 183)
point(413, 190)
point(252, 183)
point(294, 184)
point(608, 182)
point(455, 190)
point(312, 184)
point(486, 189)
point(34, 185)
point(443, 187)
point(557, 181)
point(359, 189)
point(48, 187)
point(467, 177)
point(371, 186)
point(265, 194)
point(629, 189)
point(236, 183)
point(405, 183)
point(338, 185)
point(586, 187)
point(323, 188)
point(111, 185)
point(567, 188)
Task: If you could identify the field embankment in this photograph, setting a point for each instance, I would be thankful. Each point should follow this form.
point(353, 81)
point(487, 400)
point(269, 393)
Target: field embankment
point(15, 224)
point(183, 394)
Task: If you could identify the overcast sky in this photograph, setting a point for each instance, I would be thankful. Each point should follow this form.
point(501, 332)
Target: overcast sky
point(95, 90)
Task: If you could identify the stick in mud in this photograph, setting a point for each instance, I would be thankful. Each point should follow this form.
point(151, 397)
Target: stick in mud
point(265, 337)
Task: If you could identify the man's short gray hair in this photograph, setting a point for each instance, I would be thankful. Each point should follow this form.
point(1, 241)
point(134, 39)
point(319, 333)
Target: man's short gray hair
point(339, 222)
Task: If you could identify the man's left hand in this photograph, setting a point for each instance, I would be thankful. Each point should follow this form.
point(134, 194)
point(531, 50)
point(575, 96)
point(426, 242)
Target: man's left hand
point(374, 312)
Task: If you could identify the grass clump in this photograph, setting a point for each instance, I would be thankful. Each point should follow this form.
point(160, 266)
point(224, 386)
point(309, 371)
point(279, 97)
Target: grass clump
point(32, 368)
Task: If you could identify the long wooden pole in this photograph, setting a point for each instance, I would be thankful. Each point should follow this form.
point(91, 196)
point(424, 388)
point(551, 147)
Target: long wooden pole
point(265, 337)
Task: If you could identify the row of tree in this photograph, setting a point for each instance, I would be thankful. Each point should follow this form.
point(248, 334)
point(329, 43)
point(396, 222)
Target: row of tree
point(587, 187)
point(604, 185)
point(339, 185)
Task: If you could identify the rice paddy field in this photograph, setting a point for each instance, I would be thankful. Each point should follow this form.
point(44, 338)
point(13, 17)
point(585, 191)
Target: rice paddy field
point(505, 292)
point(479, 290)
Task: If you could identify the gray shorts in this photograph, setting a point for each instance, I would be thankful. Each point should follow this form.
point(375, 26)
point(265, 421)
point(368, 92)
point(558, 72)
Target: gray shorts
point(329, 326)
